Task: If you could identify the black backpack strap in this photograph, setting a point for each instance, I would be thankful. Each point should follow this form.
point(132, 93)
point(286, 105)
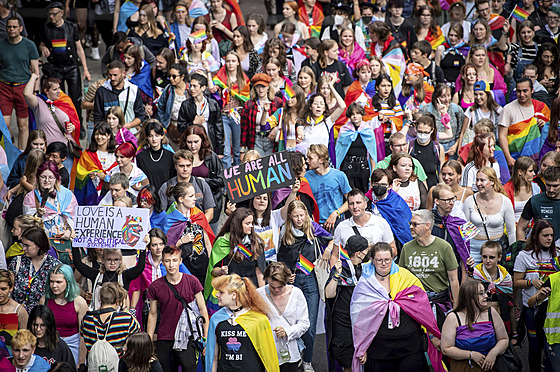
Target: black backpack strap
point(355, 228)
point(457, 315)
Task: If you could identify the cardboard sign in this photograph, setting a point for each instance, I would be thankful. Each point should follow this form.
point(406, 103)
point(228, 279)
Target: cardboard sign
point(111, 227)
point(247, 180)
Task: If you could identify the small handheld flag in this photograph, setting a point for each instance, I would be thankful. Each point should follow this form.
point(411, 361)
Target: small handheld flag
point(344, 253)
point(244, 251)
point(288, 92)
point(519, 14)
point(305, 265)
point(198, 36)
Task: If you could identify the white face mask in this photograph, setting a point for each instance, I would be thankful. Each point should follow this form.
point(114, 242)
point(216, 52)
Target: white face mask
point(338, 20)
point(423, 137)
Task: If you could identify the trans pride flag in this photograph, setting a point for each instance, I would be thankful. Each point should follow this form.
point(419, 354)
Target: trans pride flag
point(12, 152)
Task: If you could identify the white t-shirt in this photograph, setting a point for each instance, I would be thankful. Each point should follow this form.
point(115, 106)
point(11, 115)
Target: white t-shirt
point(316, 134)
point(514, 113)
point(270, 234)
point(376, 230)
point(469, 175)
point(526, 261)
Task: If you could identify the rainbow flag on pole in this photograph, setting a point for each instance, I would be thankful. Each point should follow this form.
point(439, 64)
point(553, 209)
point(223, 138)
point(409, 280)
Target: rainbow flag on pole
point(519, 14)
point(305, 265)
point(198, 36)
point(288, 92)
point(244, 251)
point(344, 253)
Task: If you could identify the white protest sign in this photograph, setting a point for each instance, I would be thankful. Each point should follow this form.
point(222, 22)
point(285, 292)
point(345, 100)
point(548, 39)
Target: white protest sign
point(111, 227)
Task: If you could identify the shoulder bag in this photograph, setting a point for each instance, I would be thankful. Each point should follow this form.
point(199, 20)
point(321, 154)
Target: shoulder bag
point(300, 343)
point(508, 361)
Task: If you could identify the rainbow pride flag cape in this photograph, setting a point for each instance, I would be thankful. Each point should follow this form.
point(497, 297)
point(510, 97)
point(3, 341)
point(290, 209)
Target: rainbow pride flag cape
point(305, 265)
point(519, 14)
point(174, 224)
point(12, 152)
point(221, 80)
point(524, 137)
point(317, 18)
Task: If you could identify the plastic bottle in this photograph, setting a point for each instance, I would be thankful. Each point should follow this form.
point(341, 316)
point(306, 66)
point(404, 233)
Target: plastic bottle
point(86, 86)
point(283, 349)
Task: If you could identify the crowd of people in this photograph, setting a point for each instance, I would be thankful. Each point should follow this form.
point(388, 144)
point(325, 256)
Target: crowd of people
point(420, 230)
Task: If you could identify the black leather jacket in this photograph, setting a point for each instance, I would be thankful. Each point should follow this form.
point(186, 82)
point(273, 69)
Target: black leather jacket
point(186, 117)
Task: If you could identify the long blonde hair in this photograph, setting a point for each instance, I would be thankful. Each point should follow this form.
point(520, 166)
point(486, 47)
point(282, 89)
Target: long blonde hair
point(491, 174)
point(486, 66)
point(307, 228)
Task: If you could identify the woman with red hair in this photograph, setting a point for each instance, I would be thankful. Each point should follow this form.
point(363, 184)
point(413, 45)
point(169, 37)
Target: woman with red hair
point(125, 155)
point(483, 156)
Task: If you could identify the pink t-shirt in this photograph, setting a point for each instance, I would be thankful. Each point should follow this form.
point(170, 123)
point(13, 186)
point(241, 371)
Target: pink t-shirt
point(45, 121)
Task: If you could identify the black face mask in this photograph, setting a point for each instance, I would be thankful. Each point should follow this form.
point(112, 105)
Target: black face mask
point(379, 190)
point(367, 20)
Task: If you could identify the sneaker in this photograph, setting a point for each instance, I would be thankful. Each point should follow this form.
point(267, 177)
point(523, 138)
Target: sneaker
point(95, 54)
point(308, 367)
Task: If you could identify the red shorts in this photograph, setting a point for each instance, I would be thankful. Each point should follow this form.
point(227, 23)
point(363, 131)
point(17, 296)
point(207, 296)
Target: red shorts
point(11, 97)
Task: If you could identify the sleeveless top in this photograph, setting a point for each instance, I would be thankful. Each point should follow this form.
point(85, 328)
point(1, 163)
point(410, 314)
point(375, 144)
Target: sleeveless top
point(481, 338)
point(411, 194)
point(65, 317)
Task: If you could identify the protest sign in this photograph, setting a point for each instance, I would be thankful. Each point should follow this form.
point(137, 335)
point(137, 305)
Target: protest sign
point(247, 180)
point(111, 227)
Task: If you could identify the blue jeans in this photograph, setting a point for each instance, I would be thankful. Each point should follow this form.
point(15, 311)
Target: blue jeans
point(536, 340)
point(263, 146)
point(310, 289)
point(232, 141)
point(552, 353)
point(90, 126)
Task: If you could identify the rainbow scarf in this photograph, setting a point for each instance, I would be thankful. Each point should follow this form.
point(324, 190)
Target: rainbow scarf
point(174, 223)
point(84, 189)
point(524, 137)
point(504, 283)
point(370, 302)
point(317, 17)
point(221, 80)
point(435, 39)
point(259, 331)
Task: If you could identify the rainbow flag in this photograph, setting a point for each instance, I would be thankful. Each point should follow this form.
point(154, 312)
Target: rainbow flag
point(344, 253)
point(524, 139)
point(8, 328)
point(221, 80)
point(519, 14)
point(85, 190)
point(305, 265)
point(59, 45)
point(288, 92)
point(198, 36)
point(437, 39)
point(244, 251)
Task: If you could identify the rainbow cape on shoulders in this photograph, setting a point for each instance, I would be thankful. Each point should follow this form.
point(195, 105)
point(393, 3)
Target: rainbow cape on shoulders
point(221, 80)
point(85, 191)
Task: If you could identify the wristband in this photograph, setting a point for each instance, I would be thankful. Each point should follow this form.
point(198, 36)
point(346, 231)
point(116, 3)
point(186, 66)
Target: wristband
point(337, 212)
point(470, 358)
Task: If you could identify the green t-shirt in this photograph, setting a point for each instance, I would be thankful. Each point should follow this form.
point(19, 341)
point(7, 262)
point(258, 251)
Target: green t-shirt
point(15, 60)
point(384, 164)
point(430, 264)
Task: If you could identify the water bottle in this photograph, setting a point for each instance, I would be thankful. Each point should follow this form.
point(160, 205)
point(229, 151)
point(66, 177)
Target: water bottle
point(283, 349)
point(86, 86)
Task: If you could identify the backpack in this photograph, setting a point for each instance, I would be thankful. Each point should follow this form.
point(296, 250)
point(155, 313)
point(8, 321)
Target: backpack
point(435, 146)
point(102, 356)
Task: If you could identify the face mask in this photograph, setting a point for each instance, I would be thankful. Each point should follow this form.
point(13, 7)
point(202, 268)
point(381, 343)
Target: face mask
point(423, 137)
point(338, 19)
point(367, 20)
point(379, 190)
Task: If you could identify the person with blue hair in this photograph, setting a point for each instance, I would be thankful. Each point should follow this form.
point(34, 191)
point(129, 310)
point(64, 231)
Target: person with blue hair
point(62, 296)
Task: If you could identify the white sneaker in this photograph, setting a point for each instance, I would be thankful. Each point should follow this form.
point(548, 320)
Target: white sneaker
point(95, 54)
point(308, 367)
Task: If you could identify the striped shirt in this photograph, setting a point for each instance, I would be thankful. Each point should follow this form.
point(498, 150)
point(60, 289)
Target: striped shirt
point(528, 53)
point(122, 324)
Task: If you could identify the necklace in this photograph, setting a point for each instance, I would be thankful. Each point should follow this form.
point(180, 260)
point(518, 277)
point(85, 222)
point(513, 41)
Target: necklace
point(60, 302)
point(238, 309)
point(110, 280)
point(382, 277)
point(160, 155)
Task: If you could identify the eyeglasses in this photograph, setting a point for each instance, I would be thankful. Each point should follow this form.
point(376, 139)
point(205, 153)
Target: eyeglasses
point(174, 76)
point(383, 261)
point(416, 224)
point(113, 260)
point(553, 18)
point(47, 178)
point(54, 14)
point(448, 201)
